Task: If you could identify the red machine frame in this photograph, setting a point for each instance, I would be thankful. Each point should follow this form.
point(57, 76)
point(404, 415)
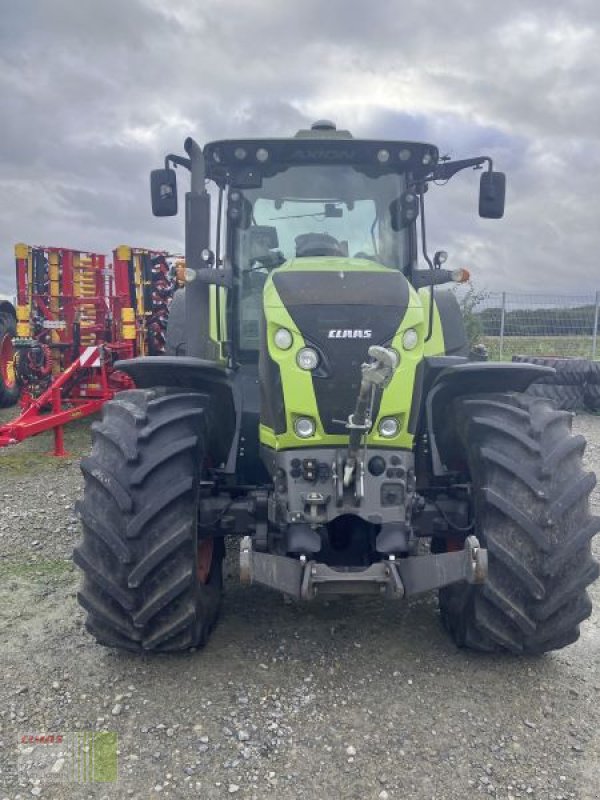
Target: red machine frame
point(77, 316)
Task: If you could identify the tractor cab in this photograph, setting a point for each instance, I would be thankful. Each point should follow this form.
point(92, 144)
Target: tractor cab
point(306, 211)
point(321, 194)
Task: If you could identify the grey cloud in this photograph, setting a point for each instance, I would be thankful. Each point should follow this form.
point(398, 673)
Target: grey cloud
point(94, 94)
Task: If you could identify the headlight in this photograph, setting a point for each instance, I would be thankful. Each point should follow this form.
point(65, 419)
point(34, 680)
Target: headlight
point(389, 427)
point(410, 339)
point(283, 339)
point(307, 358)
point(304, 427)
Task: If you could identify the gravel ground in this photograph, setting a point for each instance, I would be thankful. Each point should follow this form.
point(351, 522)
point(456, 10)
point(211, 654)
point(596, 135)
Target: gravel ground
point(340, 699)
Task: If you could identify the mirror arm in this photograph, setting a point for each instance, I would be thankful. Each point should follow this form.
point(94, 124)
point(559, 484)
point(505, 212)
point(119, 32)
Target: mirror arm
point(216, 277)
point(421, 193)
point(175, 160)
point(198, 168)
point(447, 169)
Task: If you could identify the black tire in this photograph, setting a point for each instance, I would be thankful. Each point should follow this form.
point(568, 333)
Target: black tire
point(594, 373)
point(479, 352)
point(591, 397)
point(564, 397)
point(9, 389)
point(140, 508)
point(569, 371)
point(531, 511)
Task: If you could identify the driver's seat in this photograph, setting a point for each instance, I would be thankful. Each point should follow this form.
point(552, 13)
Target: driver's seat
point(319, 244)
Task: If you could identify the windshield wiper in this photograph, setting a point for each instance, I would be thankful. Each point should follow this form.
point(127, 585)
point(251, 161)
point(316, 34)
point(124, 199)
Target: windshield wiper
point(316, 215)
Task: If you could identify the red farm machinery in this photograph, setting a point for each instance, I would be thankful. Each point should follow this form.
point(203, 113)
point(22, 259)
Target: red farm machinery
point(76, 315)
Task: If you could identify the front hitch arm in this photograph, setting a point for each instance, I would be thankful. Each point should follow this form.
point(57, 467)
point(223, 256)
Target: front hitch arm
point(394, 577)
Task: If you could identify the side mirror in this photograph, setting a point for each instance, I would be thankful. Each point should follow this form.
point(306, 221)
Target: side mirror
point(404, 210)
point(163, 189)
point(492, 191)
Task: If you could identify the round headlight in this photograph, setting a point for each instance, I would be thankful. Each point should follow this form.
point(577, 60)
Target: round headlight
point(410, 339)
point(383, 156)
point(240, 153)
point(427, 159)
point(283, 338)
point(262, 154)
point(307, 358)
point(304, 427)
point(404, 155)
point(389, 427)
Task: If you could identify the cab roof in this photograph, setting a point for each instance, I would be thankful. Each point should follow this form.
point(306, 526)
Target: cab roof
point(244, 162)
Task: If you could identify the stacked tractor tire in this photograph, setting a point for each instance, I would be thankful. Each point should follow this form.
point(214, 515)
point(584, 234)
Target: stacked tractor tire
point(591, 395)
point(575, 386)
point(9, 391)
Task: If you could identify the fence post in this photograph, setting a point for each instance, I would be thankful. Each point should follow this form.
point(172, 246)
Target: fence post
point(502, 323)
point(595, 333)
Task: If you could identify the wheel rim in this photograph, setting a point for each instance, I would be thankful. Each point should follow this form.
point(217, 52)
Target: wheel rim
point(7, 364)
point(204, 561)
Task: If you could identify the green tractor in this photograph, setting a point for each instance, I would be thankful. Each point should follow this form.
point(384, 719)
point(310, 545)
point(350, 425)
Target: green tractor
point(318, 402)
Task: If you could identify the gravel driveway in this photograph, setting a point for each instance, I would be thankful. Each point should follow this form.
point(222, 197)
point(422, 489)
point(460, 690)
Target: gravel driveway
point(340, 699)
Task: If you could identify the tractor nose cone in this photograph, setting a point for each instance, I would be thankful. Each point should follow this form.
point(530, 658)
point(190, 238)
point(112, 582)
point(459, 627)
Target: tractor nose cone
point(323, 125)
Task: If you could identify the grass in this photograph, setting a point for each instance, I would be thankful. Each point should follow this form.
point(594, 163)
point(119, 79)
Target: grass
point(566, 346)
point(35, 453)
point(55, 569)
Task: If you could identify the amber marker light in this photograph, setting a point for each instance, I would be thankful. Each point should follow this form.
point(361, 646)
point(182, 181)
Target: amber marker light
point(461, 275)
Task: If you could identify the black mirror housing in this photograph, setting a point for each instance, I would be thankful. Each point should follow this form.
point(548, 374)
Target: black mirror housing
point(492, 193)
point(404, 210)
point(163, 190)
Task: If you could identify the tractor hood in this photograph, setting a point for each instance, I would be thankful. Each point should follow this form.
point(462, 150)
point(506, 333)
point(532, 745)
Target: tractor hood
point(353, 293)
point(340, 307)
point(338, 281)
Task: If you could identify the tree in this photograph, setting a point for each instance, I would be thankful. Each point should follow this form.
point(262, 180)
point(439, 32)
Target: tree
point(468, 302)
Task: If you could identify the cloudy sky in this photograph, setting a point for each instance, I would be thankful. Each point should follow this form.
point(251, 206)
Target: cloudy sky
point(93, 93)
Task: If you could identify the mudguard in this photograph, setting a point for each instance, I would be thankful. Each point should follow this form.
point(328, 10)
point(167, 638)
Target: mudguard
point(207, 377)
point(449, 378)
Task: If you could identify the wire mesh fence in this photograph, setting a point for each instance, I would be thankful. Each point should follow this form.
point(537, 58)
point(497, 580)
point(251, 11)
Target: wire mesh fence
point(534, 324)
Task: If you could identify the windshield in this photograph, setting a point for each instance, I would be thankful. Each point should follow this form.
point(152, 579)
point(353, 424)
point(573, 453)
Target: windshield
point(311, 211)
point(337, 204)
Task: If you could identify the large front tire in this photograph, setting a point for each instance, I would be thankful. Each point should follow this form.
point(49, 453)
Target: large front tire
point(531, 511)
point(150, 581)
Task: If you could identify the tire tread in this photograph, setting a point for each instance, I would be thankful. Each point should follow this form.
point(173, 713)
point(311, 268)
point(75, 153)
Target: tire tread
point(139, 515)
point(532, 512)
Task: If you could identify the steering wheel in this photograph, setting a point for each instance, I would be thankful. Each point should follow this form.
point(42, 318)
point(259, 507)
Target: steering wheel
point(318, 244)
